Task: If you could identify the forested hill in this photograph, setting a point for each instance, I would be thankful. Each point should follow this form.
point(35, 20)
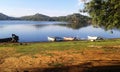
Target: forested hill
point(37, 17)
point(76, 18)
point(5, 17)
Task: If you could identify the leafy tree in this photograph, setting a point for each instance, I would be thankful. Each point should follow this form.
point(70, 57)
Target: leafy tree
point(104, 13)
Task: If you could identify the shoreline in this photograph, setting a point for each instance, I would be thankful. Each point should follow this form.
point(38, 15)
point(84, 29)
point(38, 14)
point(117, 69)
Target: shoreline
point(68, 41)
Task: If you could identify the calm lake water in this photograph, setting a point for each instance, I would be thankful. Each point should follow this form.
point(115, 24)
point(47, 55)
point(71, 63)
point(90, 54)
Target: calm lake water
point(34, 31)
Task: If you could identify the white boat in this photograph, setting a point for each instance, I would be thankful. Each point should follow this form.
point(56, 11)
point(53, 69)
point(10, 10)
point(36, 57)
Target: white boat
point(55, 39)
point(51, 39)
point(92, 38)
point(68, 38)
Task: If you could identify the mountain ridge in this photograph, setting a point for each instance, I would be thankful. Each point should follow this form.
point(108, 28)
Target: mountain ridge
point(75, 17)
point(6, 17)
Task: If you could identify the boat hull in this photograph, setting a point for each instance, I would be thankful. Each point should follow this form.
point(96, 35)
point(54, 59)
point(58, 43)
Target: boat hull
point(6, 40)
point(92, 38)
point(51, 39)
point(68, 38)
point(55, 39)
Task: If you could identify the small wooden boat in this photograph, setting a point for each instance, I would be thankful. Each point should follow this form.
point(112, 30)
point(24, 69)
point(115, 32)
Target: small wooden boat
point(55, 39)
point(6, 40)
point(14, 38)
point(51, 39)
point(69, 38)
point(92, 38)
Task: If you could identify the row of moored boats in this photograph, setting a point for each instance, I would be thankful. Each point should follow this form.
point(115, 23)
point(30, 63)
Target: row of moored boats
point(91, 38)
point(61, 38)
point(15, 38)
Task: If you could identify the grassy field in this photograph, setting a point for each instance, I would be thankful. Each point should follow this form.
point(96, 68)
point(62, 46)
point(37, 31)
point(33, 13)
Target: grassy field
point(58, 54)
point(33, 48)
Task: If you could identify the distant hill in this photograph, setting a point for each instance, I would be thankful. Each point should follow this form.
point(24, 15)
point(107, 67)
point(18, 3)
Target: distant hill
point(5, 17)
point(74, 18)
point(37, 17)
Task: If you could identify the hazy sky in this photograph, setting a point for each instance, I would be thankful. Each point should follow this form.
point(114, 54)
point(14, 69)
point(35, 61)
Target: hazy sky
point(19, 8)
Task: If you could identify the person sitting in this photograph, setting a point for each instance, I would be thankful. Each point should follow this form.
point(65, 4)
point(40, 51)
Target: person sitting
point(15, 38)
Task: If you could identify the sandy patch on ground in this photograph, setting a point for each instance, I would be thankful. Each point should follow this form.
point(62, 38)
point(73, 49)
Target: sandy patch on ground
point(59, 59)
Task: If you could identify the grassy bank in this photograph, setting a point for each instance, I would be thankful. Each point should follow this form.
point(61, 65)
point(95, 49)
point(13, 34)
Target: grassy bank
point(33, 48)
point(58, 54)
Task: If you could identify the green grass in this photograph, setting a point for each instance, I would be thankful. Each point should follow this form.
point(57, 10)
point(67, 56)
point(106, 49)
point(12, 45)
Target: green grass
point(33, 48)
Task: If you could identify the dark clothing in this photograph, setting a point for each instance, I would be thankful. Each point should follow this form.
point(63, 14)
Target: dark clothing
point(15, 38)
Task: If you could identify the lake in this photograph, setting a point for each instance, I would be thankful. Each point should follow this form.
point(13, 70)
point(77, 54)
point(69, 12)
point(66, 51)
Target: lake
point(38, 31)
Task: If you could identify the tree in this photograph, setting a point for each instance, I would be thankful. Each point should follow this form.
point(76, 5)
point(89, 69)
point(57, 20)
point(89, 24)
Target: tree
point(104, 13)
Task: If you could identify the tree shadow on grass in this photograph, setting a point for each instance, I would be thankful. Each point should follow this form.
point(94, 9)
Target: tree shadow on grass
point(86, 67)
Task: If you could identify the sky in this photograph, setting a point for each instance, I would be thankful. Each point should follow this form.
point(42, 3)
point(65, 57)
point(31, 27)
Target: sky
point(19, 8)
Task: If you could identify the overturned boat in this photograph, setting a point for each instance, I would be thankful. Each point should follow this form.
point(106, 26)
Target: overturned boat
point(55, 39)
point(14, 38)
point(6, 39)
point(93, 38)
point(69, 38)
